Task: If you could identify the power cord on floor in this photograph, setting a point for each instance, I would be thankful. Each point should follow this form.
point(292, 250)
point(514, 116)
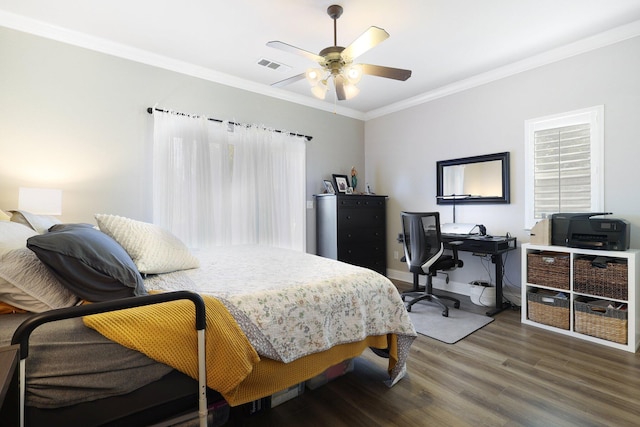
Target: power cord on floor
point(508, 287)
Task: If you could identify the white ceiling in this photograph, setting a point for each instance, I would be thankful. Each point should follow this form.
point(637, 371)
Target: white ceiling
point(444, 42)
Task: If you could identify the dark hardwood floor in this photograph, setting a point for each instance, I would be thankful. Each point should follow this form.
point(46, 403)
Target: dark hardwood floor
point(506, 374)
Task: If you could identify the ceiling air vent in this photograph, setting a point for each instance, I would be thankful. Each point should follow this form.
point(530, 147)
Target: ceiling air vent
point(273, 65)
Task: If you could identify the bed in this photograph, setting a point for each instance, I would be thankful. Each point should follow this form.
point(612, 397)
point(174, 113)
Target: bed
point(274, 317)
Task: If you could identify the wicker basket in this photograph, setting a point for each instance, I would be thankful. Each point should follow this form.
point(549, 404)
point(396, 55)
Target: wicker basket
point(548, 269)
point(601, 322)
point(609, 282)
point(548, 308)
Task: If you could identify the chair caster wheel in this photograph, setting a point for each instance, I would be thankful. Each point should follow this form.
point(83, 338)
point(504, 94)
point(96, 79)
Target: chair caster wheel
point(446, 280)
point(409, 308)
point(445, 313)
point(456, 305)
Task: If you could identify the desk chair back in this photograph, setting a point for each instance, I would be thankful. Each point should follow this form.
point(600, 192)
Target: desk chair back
point(422, 240)
point(423, 250)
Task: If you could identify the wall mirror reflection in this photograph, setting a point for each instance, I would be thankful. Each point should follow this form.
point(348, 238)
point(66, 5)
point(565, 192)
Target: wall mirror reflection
point(477, 179)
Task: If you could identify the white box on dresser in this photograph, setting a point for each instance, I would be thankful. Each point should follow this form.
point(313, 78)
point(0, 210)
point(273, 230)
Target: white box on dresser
point(553, 291)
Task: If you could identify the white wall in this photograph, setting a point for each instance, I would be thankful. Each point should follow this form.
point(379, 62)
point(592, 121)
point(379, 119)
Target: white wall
point(402, 148)
point(75, 119)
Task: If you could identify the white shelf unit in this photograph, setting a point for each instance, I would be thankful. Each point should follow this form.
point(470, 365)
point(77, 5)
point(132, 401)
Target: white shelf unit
point(632, 300)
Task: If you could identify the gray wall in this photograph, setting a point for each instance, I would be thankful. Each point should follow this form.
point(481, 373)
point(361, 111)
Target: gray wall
point(402, 148)
point(75, 119)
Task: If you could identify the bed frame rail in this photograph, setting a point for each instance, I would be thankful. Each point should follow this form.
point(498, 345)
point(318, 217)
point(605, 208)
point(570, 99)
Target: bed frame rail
point(23, 332)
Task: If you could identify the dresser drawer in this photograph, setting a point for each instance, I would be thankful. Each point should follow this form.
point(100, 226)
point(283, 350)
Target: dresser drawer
point(369, 256)
point(349, 218)
point(349, 253)
point(361, 201)
point(361, 235)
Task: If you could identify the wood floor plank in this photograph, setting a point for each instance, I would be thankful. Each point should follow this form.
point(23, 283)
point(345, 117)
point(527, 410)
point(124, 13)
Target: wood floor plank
point(505, 374)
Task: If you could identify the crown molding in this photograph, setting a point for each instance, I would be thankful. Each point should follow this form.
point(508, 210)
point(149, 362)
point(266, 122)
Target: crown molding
point(597, 41)
point(39, 28)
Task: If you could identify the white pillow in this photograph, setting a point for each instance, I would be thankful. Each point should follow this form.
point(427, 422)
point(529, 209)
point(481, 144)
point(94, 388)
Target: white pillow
point(40, 223)
point(26, 283)
point(14, 235)
point(153, 249)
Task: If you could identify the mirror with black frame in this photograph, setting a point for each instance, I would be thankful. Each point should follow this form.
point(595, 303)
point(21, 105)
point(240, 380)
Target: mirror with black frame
point(477, 179)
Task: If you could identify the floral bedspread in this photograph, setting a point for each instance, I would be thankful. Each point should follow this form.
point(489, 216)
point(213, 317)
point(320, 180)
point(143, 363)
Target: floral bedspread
point(291, 304)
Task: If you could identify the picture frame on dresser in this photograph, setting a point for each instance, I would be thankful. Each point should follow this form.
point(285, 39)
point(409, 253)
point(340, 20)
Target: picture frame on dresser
point(328, 187)
point(341, 183)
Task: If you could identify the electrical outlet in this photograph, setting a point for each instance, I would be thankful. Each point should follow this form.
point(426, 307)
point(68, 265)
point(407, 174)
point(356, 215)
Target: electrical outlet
point(396, 255)
point(309, 204)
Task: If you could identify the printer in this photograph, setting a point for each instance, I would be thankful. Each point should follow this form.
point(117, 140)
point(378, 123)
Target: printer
point(581, 230)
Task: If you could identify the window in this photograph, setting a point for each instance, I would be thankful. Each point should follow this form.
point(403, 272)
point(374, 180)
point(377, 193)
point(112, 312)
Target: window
point(564, 161)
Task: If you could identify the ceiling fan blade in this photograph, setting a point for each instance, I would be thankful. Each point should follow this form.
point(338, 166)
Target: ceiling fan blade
point(295, 50)
point(288, 81)
point(387, 72)
point(367, 40)
point(339, 84)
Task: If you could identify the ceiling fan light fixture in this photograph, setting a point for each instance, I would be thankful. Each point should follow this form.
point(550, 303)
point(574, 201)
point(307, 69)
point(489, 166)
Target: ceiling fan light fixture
point(353, 73)
point(351, 91)
point(337, 62)
point(314, 76)
point(320, 90)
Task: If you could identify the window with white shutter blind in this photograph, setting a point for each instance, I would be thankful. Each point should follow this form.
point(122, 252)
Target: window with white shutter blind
point(564, 164)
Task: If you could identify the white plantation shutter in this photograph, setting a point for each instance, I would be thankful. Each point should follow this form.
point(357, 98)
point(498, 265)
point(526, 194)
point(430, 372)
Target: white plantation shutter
point(562, 172)
point(564, 164)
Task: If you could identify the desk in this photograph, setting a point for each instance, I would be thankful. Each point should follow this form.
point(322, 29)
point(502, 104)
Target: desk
point(494, 246)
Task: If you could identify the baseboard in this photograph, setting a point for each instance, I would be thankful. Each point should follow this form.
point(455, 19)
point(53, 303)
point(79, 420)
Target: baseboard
point(438, 282)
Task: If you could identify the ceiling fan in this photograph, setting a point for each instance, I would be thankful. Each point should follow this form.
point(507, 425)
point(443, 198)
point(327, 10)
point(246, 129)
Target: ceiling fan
point(337, 62)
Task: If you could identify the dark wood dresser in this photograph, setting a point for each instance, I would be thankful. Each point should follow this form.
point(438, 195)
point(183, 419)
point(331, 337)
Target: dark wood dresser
point(352, 228)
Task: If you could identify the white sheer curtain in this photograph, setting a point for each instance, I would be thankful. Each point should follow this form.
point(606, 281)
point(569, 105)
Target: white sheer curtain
point(268, 188)
point(214, 187)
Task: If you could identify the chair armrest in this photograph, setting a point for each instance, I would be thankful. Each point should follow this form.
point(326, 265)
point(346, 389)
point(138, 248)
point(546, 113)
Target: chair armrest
point(453, 245)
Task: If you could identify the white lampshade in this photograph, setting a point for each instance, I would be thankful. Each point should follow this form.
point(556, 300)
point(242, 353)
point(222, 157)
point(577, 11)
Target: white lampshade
point(314, 76)
point(350, 91)
point(319, 90)
point(353, 73)
point(41, 201)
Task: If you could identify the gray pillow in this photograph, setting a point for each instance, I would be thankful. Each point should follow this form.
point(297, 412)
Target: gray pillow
point(88, 262)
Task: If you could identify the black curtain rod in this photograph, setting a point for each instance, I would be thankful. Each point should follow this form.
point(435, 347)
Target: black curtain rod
point(150, 111)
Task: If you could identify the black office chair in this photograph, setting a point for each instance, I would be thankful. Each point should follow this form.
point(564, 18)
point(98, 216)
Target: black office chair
point(423, 252)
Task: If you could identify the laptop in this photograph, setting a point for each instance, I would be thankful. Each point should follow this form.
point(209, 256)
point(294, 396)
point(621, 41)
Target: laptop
point(457, 228)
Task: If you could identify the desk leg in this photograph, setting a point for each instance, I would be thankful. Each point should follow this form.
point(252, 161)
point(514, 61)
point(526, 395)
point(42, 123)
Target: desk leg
point(500, 305)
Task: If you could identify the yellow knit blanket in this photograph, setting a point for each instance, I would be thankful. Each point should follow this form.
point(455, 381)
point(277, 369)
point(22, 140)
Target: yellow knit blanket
point(166, 333)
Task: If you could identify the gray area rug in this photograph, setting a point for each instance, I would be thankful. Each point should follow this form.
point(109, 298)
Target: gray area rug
point(428, 320)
